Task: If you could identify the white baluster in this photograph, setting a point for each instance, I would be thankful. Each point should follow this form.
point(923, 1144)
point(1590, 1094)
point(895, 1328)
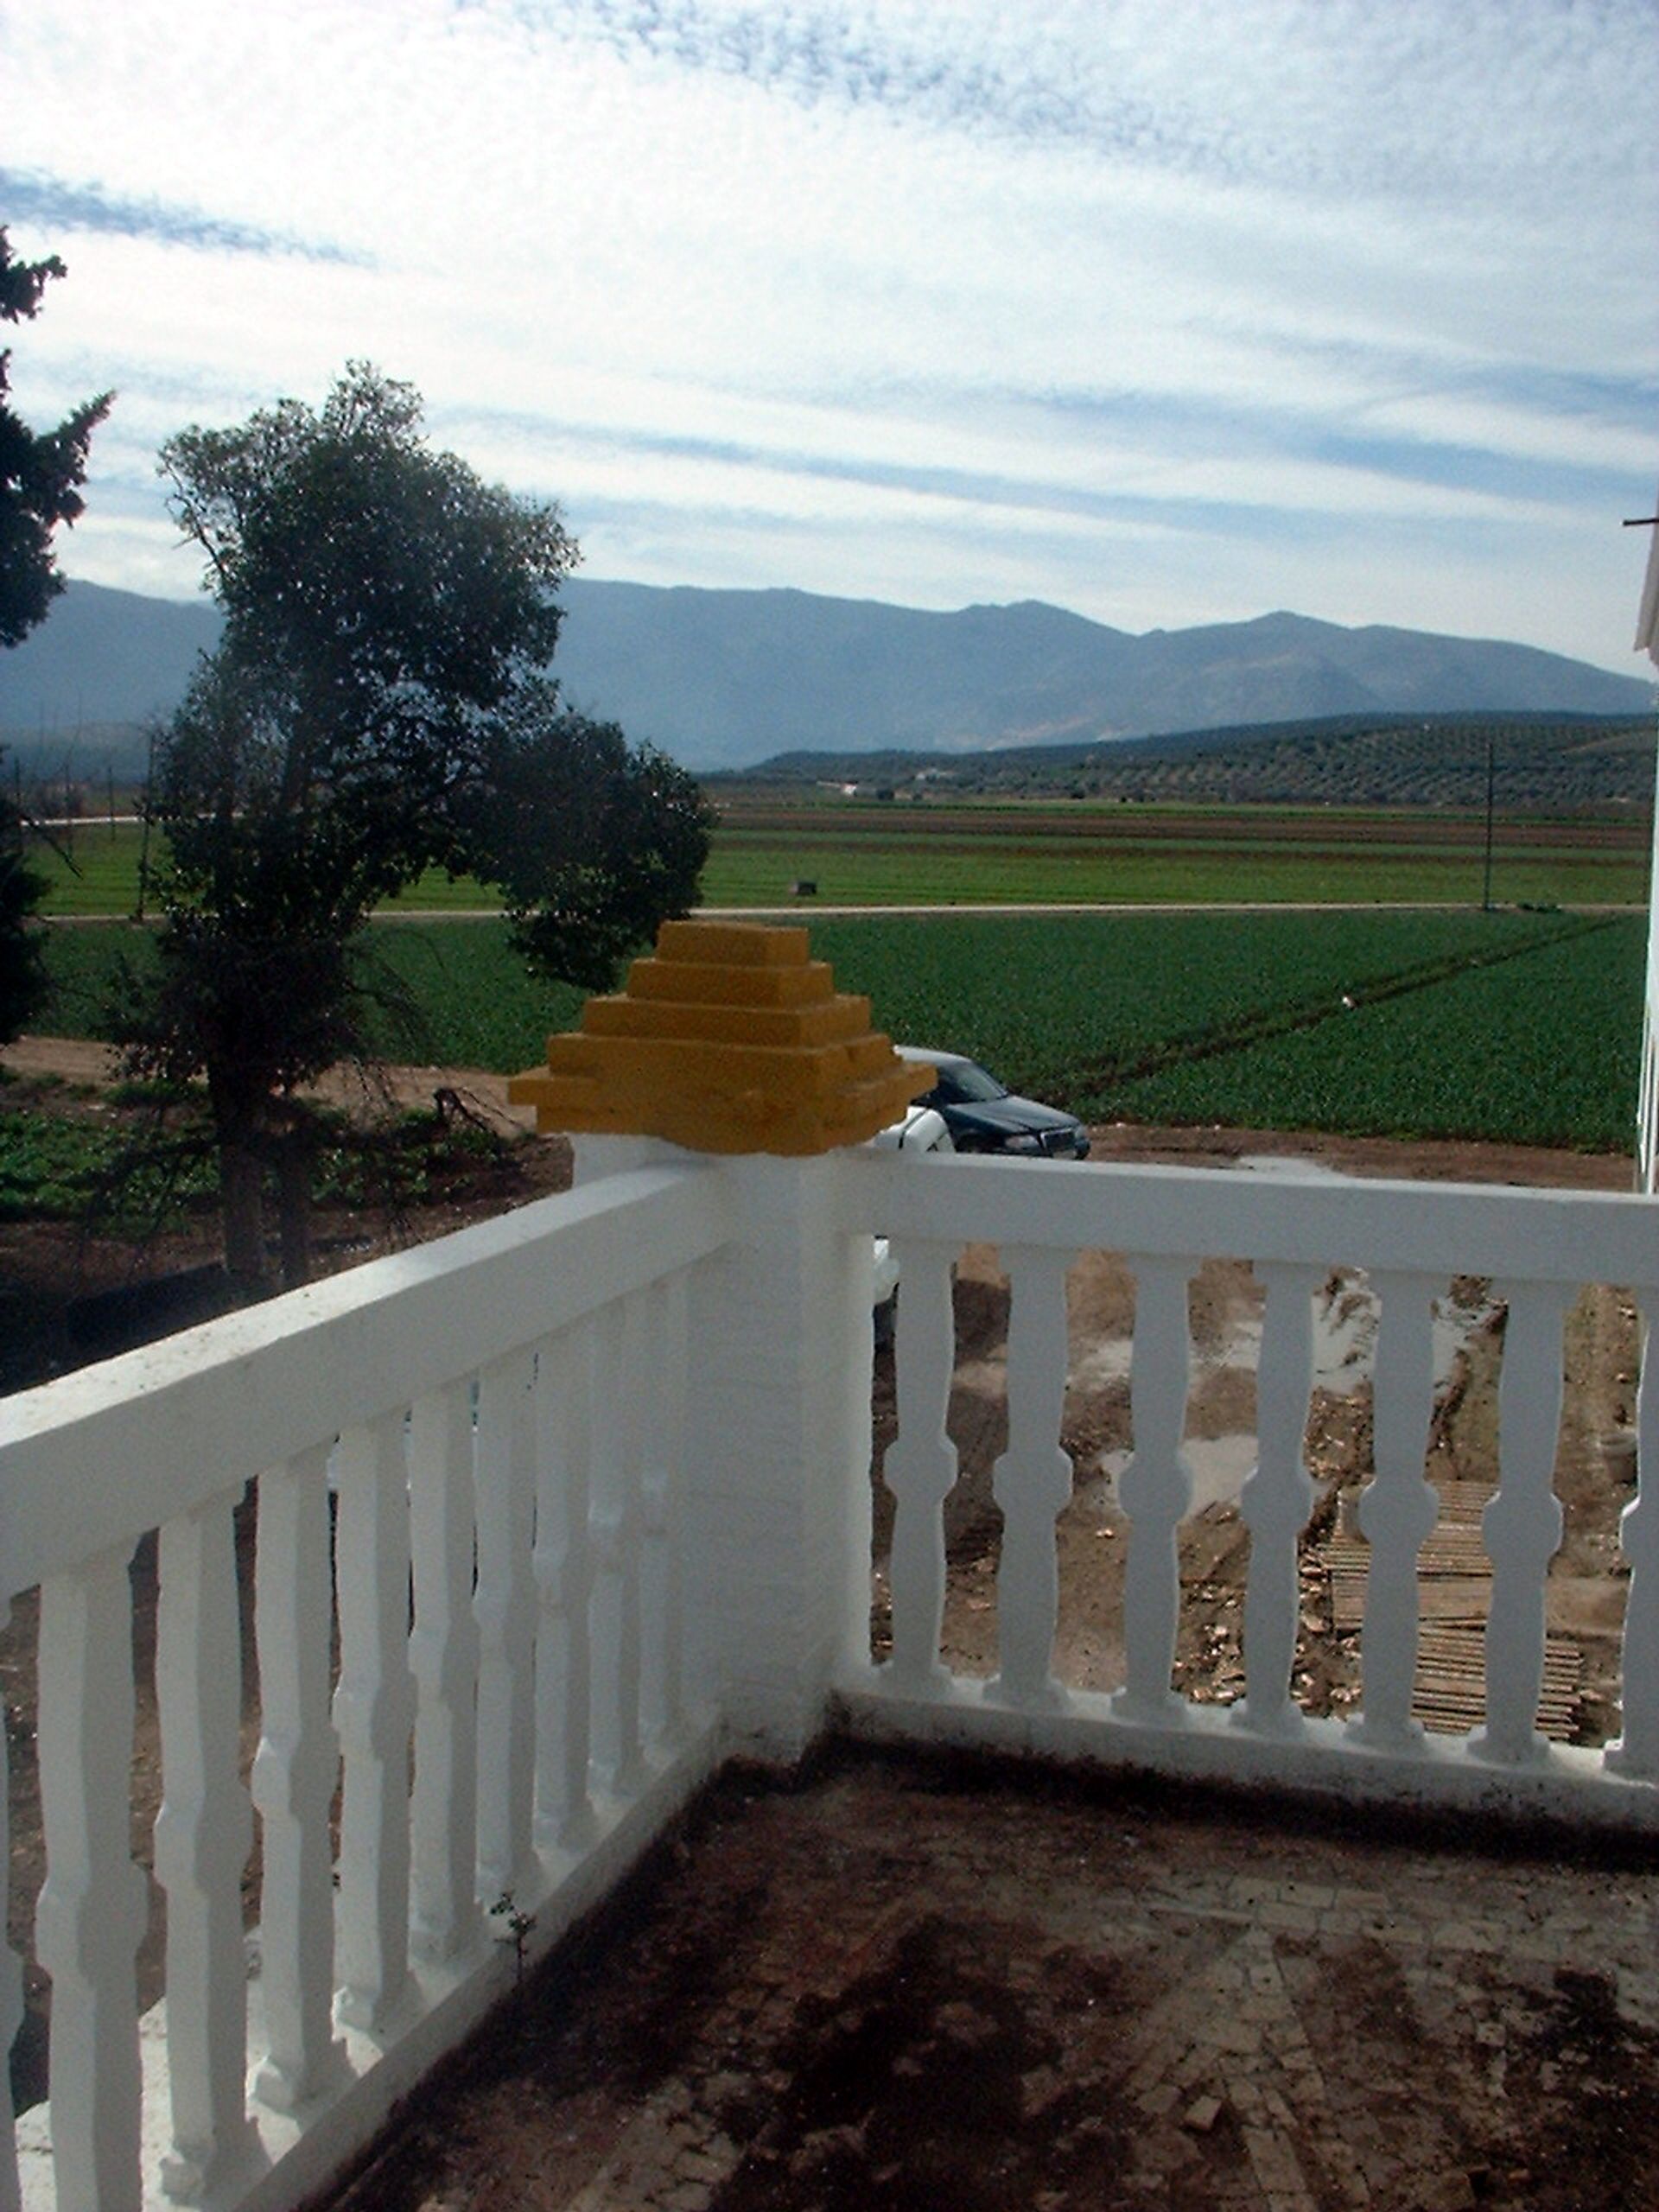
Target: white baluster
point(373, 1712)
point(443, 1659)
point(1031, 1480)
point(1156, 1492)
point(1397, 1509)
point(1636, 1751)
point(505, 1605)
point(293, 1782)
point(617, 1372)
point(91, 1911)
point(564, 1813)
point(662, 1687)
point(920, 1468)
point(1277, 1499)
point(202, 1837)
point(11, 1987)
point(1522, 1524)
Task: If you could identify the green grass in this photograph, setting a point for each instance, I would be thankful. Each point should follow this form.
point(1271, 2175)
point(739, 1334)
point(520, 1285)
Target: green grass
point(94, 870)
point(1020, 855)
point(759, 872)
point(1524, 1027)
point(1034, 853)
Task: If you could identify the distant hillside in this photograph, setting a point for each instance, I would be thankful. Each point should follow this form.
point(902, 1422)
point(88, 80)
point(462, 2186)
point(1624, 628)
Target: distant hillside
point(1536, 762)
point(727, 678)
point(105, 658)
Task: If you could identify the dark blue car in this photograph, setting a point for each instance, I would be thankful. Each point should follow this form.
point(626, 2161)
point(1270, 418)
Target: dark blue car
point(984, 1115)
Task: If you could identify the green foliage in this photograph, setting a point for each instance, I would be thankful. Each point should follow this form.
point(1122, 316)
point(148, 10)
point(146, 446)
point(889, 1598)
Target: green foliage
point(40, 474)
point(616, 839)
point(92, 869)
point(1543, 1049)
point(93, 972)
point(153, 1163)
point(252, 496)
point(48, 1166)
point(375, 708)
point(55, 1168)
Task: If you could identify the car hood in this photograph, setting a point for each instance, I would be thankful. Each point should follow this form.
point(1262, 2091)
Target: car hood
point(1002, 1116)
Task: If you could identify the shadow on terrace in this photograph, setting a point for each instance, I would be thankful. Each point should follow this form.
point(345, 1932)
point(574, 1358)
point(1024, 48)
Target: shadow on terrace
point(908, 1982)
point(521, 1584)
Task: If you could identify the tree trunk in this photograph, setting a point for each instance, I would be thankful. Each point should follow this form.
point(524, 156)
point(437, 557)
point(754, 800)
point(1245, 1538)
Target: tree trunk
point(241, 1198)
point(293, 1200)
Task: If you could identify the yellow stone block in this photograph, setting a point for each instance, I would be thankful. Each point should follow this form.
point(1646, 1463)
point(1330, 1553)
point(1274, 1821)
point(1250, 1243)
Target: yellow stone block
point(733, 945)
point(703, 983)
point(829, 1020)
point(731, 1039)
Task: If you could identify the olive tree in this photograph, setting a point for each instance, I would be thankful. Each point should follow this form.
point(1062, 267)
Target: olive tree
point(378, 706)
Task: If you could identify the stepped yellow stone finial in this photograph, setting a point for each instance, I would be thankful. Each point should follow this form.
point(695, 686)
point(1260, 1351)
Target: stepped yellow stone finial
point(729, 1037)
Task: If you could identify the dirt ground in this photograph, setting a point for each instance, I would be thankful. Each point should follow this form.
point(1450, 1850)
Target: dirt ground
point(49, 1272)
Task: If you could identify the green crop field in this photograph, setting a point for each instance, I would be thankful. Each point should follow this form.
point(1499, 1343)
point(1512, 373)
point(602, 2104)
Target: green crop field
point(96, 872)
point(1035, 853)
point(450, 992)
point(1541, 1049)
point(1521, 1026)
point(1524, 1027)
point(1030, 854)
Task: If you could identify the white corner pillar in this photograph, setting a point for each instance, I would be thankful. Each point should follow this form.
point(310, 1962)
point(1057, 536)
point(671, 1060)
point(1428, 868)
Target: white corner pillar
point(777, 1499)
point(732, 1042)
point(777, 1444)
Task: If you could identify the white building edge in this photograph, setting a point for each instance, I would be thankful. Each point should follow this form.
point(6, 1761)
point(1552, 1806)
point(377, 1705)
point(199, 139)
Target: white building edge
point(1647, 1161)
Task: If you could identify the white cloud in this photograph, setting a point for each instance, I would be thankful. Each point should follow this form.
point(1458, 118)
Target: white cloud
point(953, 295)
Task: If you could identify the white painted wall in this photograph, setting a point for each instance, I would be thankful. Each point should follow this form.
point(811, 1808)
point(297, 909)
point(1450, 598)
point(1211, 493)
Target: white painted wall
point(1647, 640)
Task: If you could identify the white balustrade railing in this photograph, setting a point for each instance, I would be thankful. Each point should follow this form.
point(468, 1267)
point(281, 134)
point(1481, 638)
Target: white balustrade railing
point(1411, 1240)
point(466, 1464)
point(548, 1514)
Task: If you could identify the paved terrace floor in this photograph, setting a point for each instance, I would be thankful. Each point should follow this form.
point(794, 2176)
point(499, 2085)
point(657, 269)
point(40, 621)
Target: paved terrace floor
point(900, 1986)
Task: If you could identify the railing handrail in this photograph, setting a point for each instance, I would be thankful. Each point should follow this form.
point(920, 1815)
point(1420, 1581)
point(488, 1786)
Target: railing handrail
point(1506, 1231)
point(100, 1456)
point(628, 1496)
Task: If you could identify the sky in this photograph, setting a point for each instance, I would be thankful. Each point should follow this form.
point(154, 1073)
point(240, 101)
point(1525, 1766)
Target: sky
point(1166, 311)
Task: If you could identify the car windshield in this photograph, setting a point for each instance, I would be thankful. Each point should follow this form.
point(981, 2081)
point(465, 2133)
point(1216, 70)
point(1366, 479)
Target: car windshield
point(966, 1084)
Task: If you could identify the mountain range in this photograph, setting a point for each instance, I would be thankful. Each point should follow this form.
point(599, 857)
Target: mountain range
point(724, 679)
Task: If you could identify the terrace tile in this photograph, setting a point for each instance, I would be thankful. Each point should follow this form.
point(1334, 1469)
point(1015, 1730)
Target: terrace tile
point(899, 1984)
